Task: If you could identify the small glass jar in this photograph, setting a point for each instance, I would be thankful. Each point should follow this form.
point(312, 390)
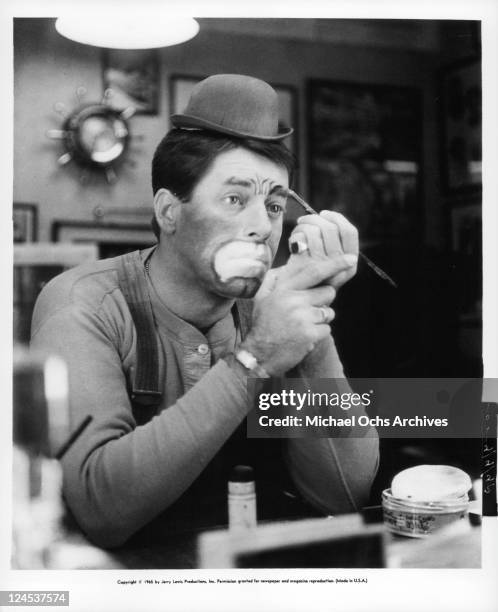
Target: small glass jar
point(417, 519)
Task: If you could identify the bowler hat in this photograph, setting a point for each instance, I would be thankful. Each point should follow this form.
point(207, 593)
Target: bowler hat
point(234, 104)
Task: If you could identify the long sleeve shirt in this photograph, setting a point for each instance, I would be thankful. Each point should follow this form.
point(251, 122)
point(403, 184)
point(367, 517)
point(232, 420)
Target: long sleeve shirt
point(119, 476)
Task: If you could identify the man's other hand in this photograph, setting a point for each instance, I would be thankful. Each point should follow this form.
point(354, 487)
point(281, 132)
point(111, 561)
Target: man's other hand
point(292, 312)
point(328, 236)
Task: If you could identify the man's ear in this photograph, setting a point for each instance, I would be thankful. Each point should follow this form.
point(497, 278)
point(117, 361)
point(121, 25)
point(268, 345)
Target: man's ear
point(166, 208)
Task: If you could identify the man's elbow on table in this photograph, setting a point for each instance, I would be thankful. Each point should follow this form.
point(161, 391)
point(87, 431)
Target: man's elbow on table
point(105, 534)
point(100, 517)
point(104, 529)
point(335, 476)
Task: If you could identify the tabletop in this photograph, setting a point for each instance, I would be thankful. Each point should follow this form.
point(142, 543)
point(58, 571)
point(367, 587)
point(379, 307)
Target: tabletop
point(455, 546)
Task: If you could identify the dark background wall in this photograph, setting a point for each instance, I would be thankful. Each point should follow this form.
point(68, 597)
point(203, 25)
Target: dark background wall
point(49, 69)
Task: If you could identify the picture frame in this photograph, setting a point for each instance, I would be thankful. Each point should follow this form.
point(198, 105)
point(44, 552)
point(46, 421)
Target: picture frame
point(461, 120)
point(181, 86)
point(365, 152)
point(35, 264)
point(25, 222)
point(111, 238)
point(133, 77)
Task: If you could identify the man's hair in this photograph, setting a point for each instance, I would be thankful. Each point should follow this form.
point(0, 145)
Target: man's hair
point(183, 157)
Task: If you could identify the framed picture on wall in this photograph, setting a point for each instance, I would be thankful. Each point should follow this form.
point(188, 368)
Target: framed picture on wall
point(35, 265)
point(112, 239)
point(132, 76)
point(25, 220)
point(461, 110)
point(181, 87)
point(364, 148)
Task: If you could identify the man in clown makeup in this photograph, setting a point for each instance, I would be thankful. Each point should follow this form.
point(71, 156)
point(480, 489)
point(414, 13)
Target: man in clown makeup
point(160, 343)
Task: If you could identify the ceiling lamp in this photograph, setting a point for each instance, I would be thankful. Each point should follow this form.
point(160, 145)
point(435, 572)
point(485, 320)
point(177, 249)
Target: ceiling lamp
point(121, 32)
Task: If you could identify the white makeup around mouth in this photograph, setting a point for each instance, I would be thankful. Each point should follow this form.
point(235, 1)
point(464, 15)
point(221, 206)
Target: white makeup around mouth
point(241, 259)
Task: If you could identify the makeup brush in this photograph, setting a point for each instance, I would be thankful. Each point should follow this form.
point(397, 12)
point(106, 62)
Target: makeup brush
point(369, 262)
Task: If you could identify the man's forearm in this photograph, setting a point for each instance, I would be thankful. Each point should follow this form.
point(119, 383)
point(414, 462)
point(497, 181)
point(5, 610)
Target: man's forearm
point(333, 474)
point(117, 477)
point(116, 488)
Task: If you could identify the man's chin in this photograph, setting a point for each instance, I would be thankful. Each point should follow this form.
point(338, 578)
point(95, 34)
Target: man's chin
point(239, 287)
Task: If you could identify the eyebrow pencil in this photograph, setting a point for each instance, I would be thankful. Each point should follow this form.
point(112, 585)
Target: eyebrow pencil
point(369, 262)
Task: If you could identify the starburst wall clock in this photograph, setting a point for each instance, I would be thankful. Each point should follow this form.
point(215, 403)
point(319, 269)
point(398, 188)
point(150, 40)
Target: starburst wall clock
point(95, 136)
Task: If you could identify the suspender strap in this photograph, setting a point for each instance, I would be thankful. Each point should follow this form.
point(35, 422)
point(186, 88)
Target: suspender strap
point(133, 284)
point(243, 316)
point(146, 394)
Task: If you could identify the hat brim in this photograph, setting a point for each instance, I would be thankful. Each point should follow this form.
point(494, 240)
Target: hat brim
point(190, 121)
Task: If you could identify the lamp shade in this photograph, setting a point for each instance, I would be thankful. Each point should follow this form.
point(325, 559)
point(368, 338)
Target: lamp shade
point(126, 32)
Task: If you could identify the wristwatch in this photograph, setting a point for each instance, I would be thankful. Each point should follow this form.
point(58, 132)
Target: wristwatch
point(250, 363)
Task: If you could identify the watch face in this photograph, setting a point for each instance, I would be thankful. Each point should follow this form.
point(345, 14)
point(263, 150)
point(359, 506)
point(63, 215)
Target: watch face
point(251, 364)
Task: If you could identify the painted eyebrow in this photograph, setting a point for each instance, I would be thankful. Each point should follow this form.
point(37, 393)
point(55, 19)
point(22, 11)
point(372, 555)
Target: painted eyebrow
point(279, 190)
point(276, 189)
point(238, 182)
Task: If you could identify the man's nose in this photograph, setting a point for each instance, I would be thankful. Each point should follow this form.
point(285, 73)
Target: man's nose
point(258, 224)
